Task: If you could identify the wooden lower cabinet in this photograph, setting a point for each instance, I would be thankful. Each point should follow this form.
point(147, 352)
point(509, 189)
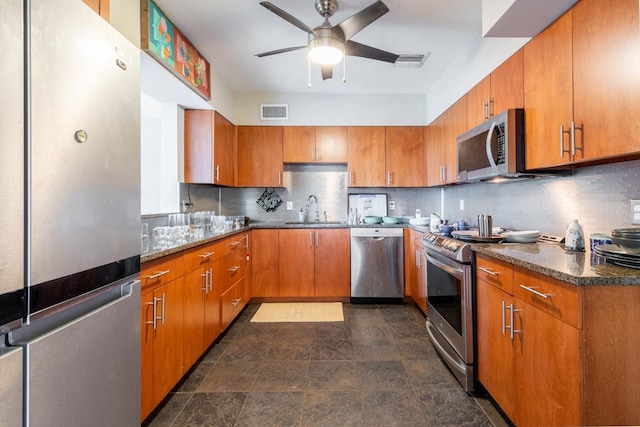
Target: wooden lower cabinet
point(570, 360)
point(415, 268)
point(264, 262)
point(314, 262)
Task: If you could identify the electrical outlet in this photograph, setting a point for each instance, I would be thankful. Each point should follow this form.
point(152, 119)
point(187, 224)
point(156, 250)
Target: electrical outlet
point(635, 212)
point(289, 206)
point(392, 205)
point(461, 204)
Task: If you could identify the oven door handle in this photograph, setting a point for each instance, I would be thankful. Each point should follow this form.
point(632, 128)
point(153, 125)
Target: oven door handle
point(457, 272)
point(461, 367)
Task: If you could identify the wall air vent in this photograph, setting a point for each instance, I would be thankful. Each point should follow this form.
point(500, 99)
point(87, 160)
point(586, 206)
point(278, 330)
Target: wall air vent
point(274, 111)
point(411, 60)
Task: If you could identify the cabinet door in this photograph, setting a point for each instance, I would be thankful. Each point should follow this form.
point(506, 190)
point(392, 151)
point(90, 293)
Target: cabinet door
point(259, 156)
point(212, 327)
point(406, 161)
point(264, 263)
point(331, 144)
point(496, 350)
point(507, 85)
point(366, 156)
point(296, 266)
point(606, 77)
point(548, 94)
point(478, 102)
point(195, 284)
point(223, 150)
point(198, 147)
point(435, 152)
point(168, 338)
point(298, 144)
point(332, 263)
point(549, 371)
point(455, 124)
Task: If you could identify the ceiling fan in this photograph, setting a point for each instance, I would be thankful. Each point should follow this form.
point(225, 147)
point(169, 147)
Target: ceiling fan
point(328, 44)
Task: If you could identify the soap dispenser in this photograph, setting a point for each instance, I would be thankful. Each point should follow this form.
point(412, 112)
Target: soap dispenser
point(301, 215)
point(574, 238)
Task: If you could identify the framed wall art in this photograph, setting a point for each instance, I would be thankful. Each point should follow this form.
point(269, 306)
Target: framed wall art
point(167, 45)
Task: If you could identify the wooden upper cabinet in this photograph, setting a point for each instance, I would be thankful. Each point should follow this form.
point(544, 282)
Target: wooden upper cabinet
point(208, 148)
point(479, 102)
point(308, 144)
point(260, 156)
point(548, 94)
point(101, 7)
point(366, 156)
point(406, 162)
point(606, 77)
point(499, 91)
point(298, 144)
point(435, 152)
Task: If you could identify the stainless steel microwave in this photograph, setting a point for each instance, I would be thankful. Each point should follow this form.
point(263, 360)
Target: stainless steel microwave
point(492, 149)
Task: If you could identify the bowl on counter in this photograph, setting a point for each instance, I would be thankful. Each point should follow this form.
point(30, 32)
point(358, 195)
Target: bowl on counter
point(419, 221)
point(391, 220)
point(629, 245)
point(369, 219)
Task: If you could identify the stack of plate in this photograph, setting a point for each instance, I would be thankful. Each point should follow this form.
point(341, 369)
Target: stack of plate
point(390, 220)
point(525, 236)
point(618, 255)
point(628, 239)
point(419, 221)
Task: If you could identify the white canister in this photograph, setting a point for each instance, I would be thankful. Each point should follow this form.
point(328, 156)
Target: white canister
point(574, 238)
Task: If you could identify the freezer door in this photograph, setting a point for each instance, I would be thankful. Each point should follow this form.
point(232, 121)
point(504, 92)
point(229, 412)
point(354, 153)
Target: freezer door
point(11, 386)
point(11, 165)
point(85, 142)
point(86, 371)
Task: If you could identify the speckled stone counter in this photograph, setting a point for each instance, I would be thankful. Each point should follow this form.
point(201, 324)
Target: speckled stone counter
point(211, 237)
point(578, 268)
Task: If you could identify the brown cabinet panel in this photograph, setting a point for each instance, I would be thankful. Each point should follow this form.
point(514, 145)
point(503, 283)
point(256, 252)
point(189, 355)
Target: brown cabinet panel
point(548, 94)
point(507, 85)
point(495, 272)
point(331, 144)
point(209, 141)
point(298, 144)
point(478, 102)
point(264, 263)
point(406, 162)
point(260, 156)
point(366, 156)
point(296, 266)
point(415, 268)
point(332, 263)
point(606, 82)
point(101, 7)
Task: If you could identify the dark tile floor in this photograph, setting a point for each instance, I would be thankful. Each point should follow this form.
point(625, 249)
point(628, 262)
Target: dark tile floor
point(377, 368)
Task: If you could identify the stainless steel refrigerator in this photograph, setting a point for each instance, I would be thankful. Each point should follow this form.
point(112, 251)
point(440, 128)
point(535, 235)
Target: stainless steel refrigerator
point(70, 222)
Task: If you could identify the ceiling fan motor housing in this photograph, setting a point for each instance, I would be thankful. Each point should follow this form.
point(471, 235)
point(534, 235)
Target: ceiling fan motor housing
point(326, 8)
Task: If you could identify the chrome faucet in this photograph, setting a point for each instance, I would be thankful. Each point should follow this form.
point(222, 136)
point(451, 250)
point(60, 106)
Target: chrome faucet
point(313, 199)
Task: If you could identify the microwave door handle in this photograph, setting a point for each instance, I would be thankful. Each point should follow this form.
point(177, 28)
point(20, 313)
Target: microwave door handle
point(488, 147)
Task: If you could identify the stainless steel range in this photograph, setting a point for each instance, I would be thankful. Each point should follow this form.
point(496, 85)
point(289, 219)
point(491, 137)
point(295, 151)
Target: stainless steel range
point(451, 304)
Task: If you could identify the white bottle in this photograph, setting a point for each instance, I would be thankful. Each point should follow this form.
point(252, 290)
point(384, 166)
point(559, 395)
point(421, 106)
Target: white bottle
point(574, 239)
point(301, 216)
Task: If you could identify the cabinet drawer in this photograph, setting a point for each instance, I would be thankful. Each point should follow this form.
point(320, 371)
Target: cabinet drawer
point(558, 299)
point(496, 272)
point(233, 268)
point(162, 270)
point(196, 257)
point(233, 301)
point(236, 243)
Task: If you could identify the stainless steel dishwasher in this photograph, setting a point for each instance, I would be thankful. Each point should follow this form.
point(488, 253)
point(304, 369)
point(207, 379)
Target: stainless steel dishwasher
point(377, 265)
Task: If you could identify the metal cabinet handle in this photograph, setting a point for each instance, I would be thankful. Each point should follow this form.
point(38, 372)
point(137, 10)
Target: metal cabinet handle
point(234, 244)
point(317, 240)
point(489, 109)
point(485, 108)
point(162, 317)
point(217, 173)
point(154, 322)
point(207, 255)
point(235, 302)
point(310, 240)
point(562, 150)
point(317, 154)
point(279, 178)
point(504, 324)
point(158, 274)
point(234, 268)
point(486, 270)
point(206, 282)
point(533, 291)
point(418, 259)
point(389, 178)
point(512, 328)
point(350, 178)
point(573, 138)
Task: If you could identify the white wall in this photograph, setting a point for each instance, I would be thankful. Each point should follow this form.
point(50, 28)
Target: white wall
point(159, 137)
point(334, 109)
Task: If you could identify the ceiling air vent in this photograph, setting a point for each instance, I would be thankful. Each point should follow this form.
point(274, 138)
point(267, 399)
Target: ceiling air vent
point(274, 111)
point(411, 60)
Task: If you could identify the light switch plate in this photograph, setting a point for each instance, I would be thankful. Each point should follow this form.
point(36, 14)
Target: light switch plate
point(635, 212)
point(289, 206)
point(392, 205)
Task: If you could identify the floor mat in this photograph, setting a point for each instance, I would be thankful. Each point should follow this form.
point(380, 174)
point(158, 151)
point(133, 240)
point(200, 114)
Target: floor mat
point(299, 312)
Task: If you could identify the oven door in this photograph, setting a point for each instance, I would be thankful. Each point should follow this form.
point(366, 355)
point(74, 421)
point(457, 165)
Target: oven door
point(450, 302)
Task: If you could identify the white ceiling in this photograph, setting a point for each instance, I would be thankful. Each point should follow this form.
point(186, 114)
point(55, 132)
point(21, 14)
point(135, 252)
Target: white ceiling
point(229, 34)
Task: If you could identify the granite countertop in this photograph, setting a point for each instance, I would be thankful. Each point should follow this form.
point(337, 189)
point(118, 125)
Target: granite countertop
point(578, 268)
point(210, 237)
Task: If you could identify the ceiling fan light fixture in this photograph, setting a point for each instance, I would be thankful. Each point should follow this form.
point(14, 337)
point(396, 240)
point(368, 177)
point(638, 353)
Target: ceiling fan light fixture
point(326, 51)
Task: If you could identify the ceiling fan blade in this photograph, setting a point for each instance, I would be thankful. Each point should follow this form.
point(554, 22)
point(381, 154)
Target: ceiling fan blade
point(357, 49)
point(275, 52)
point(355, 23)
point(287, 17)
point(327, 71)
